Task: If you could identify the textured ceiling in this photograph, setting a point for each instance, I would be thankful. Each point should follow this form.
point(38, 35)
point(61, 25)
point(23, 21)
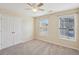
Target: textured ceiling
point(54, 7)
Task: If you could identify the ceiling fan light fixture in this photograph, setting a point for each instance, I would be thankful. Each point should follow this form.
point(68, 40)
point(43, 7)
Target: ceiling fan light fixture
point(34, 10)
point(35, 7)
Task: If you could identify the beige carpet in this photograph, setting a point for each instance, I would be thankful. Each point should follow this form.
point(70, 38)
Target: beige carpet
point(37, 47)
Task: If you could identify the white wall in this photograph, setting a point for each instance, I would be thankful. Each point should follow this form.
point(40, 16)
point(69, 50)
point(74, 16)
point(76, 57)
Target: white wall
point(53, 32)
point(27, 28)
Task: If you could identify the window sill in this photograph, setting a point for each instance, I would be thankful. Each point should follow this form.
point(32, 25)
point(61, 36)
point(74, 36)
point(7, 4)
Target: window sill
point(69, 39)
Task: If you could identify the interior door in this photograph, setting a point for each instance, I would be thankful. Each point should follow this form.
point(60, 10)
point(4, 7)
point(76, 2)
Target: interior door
point(11, 31)
point(17, 30)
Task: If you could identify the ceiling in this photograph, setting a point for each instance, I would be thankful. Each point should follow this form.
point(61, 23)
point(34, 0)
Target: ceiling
point(49, 8)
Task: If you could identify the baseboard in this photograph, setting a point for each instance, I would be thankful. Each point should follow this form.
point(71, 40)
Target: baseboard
point(57, 44)
point(18, 43)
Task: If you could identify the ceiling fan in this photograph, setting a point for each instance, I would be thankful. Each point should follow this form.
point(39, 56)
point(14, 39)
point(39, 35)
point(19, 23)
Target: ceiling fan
point(35, 7)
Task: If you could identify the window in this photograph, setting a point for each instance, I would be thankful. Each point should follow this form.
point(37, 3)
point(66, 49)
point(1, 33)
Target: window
point(67, 27)
point(44, 27)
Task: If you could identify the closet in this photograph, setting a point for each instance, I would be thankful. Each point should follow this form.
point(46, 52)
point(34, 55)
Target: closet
point(10, 31)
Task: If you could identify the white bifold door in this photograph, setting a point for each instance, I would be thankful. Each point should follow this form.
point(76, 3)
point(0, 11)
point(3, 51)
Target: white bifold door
point(10, 31)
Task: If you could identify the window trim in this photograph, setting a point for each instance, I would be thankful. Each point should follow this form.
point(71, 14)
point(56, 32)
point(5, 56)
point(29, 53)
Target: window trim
point(40, 33)
point(75, 27)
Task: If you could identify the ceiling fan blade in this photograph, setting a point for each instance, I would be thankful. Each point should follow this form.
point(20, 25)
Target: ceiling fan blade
point(29, 4)
point(33, 4)
point(40, 4)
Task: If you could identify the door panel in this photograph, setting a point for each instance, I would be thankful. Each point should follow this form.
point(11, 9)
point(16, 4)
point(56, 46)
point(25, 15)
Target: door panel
point(17, 30)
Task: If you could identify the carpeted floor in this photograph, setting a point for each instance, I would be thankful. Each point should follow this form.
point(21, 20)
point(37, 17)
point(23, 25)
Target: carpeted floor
point(37, 47)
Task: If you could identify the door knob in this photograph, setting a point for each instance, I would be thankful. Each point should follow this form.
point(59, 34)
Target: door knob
point(13, 32)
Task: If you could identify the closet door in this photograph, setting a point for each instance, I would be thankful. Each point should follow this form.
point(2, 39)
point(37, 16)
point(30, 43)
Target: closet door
point(7, 31)
point(17, 30)
point(11, 31)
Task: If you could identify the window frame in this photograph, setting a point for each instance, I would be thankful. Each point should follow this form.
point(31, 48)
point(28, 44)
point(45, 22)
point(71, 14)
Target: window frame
point(40, 33)
point(75, 28)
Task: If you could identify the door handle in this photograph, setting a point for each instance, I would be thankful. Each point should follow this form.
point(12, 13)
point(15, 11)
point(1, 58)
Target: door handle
point(13, 32)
